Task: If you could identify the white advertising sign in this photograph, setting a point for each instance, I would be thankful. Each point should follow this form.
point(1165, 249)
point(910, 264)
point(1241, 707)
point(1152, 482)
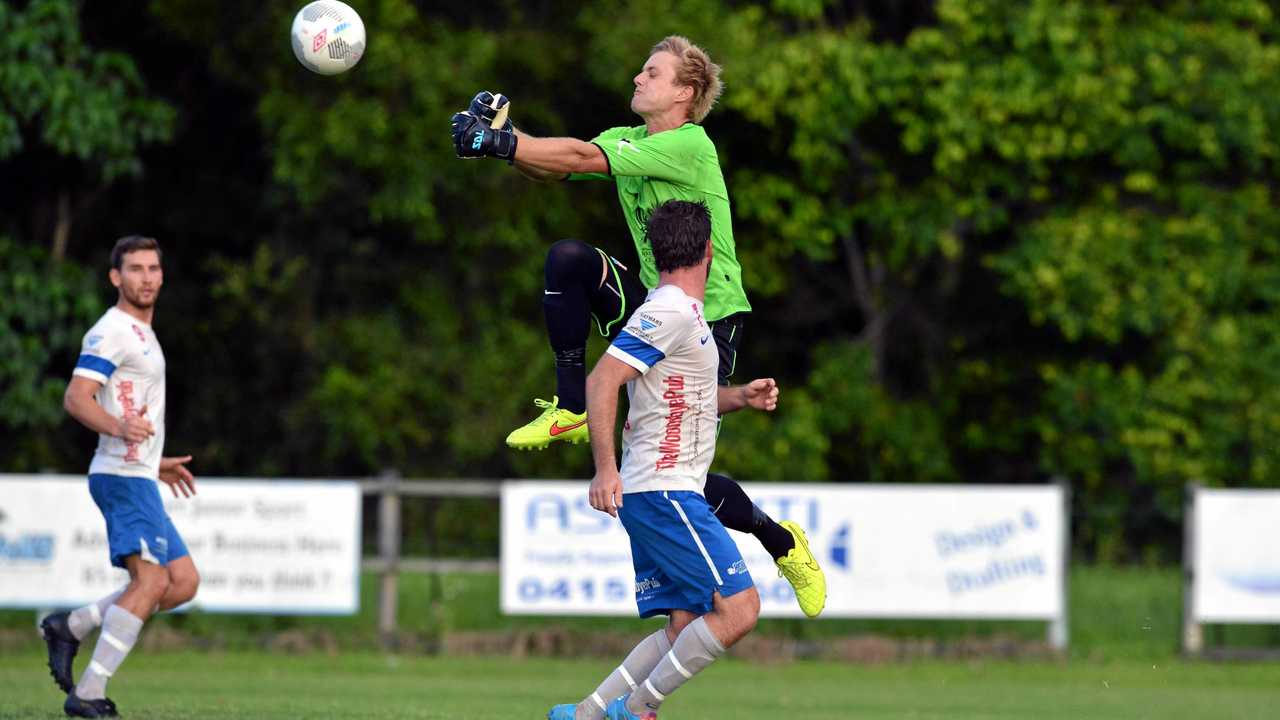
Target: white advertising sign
point(260, 546)
point(937, 551)
point(1237, 556)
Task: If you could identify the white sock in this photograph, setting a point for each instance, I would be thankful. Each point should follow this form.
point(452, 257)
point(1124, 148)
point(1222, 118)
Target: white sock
point(120, 630)
point(696, 648)
point(643, 658)
point(82, 621)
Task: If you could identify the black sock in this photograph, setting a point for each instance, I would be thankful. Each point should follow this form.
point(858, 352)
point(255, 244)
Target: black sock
point(573, 269)
point(736, 512)
point(571, 379)
point(775, 538)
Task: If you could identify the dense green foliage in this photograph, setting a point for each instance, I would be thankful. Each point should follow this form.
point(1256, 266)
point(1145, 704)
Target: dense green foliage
point(46, 308)
point(986, 241)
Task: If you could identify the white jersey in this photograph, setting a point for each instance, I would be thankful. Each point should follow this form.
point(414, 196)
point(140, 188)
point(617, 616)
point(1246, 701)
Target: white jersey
point(123, 354)
point(670, 434)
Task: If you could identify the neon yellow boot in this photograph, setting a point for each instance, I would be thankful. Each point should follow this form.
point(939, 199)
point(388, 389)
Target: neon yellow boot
point(800, 568)
point(555, 424)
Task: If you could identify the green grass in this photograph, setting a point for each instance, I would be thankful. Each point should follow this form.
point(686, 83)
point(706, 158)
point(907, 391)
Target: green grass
point(1116, 613)
point(364, 685)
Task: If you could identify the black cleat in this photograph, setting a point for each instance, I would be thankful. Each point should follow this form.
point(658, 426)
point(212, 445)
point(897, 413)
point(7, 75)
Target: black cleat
point(62, 648)
point(75, 707)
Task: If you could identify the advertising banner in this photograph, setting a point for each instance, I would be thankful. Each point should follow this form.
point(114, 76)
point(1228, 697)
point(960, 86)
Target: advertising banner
point(260, 546)
point(927, 551)
point(1237, 556)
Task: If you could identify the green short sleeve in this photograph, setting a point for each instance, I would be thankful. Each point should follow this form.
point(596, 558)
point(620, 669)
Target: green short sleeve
point(663, 156)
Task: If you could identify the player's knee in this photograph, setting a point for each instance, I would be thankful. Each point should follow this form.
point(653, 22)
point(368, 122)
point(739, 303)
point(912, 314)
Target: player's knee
point(184, 588)
point(730, 503)
point(153, 583)
point(566, 256)
point(679, 620)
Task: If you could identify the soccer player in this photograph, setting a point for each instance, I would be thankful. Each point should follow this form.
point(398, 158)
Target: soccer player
point(686, 565)
point(117, 390)
point(669, 157)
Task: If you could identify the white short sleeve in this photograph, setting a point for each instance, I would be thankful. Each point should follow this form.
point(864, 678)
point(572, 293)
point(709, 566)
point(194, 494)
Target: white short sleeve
point(649, 336)
point(101, 352)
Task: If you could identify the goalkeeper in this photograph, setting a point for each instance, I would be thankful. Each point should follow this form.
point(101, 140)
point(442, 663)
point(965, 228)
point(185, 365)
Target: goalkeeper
point(670, 157)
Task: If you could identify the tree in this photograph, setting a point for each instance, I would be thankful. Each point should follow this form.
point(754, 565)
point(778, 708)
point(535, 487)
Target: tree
point(72, 121)
point(80, 116)
point(985, 241)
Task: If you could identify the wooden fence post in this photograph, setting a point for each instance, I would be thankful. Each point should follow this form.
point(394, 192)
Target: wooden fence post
point(389, 554)
point(1192, 630)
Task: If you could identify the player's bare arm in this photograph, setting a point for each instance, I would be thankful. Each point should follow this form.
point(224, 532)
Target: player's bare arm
point(759, 394)
point(560, 155)
point(80, 404)
point(534, 173)
point(603, 384)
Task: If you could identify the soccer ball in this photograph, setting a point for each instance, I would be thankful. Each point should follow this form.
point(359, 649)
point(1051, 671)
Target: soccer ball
point(328, 37)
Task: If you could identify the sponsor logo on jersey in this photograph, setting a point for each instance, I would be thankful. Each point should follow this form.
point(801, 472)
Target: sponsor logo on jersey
point(124, 395)
point(669, 445)
point(93, 340)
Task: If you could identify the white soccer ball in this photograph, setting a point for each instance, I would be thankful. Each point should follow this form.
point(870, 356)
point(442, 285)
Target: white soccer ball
point(328, 37)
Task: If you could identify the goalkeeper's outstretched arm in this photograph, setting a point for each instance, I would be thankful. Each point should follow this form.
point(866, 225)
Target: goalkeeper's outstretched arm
point(555, 158)
point(535, 173)
point(485, 129)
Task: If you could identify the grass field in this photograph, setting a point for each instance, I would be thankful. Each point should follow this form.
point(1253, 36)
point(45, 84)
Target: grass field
point(1116, 614)
point(1124, 631)
point(248, 685)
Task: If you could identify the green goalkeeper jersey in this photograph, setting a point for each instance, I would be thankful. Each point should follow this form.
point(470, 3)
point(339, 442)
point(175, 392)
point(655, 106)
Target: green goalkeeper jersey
point(679, 164)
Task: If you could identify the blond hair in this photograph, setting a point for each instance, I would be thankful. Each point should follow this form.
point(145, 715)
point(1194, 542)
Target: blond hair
point(694, 69)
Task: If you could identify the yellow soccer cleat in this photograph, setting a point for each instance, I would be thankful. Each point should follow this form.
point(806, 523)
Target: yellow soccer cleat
point(800, 568)
point(553, 425)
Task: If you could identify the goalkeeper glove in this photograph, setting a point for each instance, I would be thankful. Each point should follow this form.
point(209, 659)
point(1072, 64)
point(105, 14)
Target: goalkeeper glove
point(490, 107)
point(473, 139)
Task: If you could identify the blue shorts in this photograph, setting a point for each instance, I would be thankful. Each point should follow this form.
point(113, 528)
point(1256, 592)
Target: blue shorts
point(681, 553)
point(136, 521)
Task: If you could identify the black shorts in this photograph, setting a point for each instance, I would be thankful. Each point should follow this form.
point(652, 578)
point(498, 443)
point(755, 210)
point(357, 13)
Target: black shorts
point(622, 292)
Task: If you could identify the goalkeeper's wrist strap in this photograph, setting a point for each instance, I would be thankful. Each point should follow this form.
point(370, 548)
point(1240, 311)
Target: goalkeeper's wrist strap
point(510, 153)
